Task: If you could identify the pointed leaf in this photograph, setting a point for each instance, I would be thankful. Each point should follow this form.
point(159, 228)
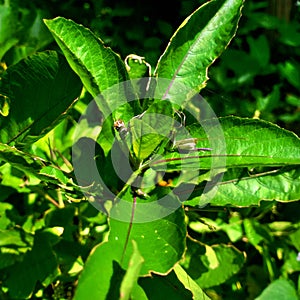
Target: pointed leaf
point(98, 67)
point(243, 147)
point(132, 273)
point(200, 39)
point(164, 237)
point(190, 284)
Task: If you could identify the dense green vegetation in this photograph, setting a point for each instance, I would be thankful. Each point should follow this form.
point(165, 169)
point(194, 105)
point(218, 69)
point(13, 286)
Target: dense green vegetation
point(187, 205)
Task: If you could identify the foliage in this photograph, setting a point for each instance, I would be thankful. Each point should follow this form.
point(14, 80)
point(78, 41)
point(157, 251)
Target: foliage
point(188, 206)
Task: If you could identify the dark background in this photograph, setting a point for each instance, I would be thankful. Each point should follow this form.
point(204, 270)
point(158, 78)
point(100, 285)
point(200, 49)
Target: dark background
point(258, 75)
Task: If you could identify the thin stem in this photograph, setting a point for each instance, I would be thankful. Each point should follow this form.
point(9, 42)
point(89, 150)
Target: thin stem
point(199, 156)
point(129, 229)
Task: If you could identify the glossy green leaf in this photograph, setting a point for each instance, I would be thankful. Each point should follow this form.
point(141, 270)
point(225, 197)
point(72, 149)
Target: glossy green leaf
point(98, 67)
point(240, 189)
point(112, 281)
point(163, 237)
point(200, 39)
point(41, 89)
point(278, 290)
point(252, 231)
point(144, 139)
point(243, 147)
point(211, 265)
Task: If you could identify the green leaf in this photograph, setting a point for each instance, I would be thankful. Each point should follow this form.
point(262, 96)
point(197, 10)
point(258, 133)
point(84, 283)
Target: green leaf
point(103, 265)
point(15, 238)
point(164, 287)
point(252, 231)
point(144, 139)
point(20, 160)
point(295, 239)
point(278, 290)
point(200, 39)
point(55, 173)
point(190, 284)
point(233, 229)
point(37, 265)
point(5, 208)
point(243, 147)
point(246, 147)
point(135, 263)
point(163, 238)
point(98, 67)
point(136, 66)
point(211, 265)
point(41, 89)
point(259, 49)
point(4, 105)
point(290, 71)
point(32, 165)
point(8, 40)
point(240, 189)
point(149, 130)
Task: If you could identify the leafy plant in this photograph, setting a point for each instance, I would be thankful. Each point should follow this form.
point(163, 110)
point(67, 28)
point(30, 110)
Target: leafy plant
point(149, 152)
point(259, 67)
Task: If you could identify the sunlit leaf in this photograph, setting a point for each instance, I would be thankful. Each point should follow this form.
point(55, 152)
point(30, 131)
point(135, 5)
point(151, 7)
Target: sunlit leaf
point(200, 39)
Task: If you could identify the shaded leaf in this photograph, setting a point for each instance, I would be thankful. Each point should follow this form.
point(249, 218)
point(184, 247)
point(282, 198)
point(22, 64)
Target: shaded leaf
point(190, 284)
point(211, 265)
point(278, 290)
point(37, 265)
point(164, 287)
point(41, 89)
